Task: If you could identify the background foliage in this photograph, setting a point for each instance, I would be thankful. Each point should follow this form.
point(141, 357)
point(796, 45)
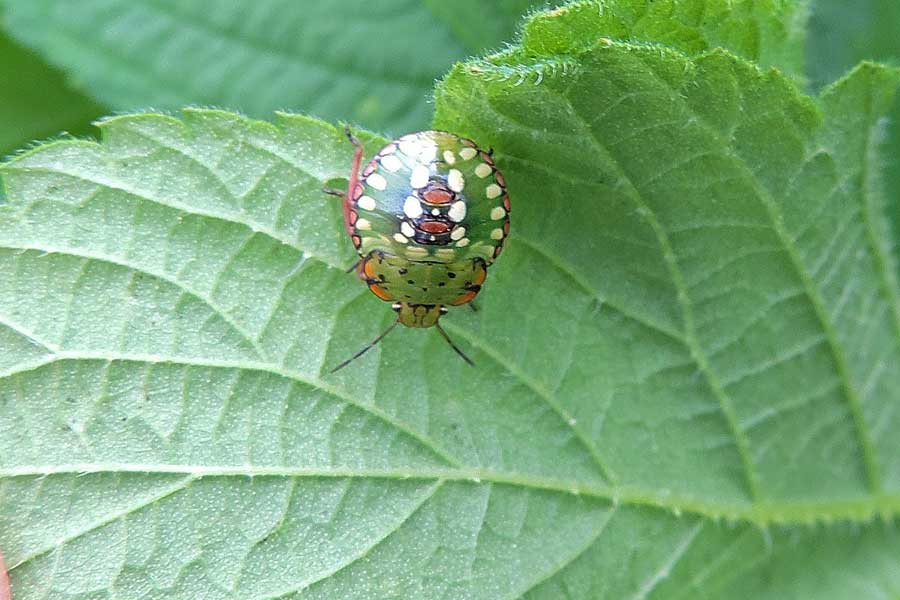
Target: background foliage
point(686, 382)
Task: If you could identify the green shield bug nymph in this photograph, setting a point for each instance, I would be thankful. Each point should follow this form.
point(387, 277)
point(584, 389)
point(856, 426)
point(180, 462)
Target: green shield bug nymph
point(428, 215)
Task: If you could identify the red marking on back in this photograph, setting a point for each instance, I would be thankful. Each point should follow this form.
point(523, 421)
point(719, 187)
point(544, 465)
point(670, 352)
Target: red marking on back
point(500, 179)
point(434, 227)
point(437, 196)
point(506, 228)
point(487, 158)
point(356, 240)
point(353, 217)
point(506, 202)
point(498, 250)
point(370, 168)
point(480, 276)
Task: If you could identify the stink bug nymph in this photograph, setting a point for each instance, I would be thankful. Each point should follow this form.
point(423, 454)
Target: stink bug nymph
point(428, 215)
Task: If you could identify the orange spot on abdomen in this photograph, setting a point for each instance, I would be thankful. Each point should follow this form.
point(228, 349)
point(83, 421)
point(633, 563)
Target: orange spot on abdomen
point(380, 292)
point(467, 297)
point(367, 269)
point(480, 276)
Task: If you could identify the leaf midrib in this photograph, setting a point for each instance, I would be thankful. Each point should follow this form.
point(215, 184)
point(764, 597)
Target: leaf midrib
point(795, 512)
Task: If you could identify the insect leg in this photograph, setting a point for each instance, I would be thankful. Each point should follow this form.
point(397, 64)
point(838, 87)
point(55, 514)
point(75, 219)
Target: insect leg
point(452, 345)
point(367, 348)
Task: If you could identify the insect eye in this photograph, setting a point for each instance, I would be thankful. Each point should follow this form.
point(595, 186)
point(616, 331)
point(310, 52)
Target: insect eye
point(444, 310)
point(396, 306)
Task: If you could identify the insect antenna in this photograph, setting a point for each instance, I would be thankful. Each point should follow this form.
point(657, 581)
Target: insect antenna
point(333, 192)
point(452, 345)
point(368, 347)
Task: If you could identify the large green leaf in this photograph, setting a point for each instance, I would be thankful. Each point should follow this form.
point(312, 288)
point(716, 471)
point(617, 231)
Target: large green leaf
point(374, 62)
point(686, 356)
point(35, 101)
point(713, 208)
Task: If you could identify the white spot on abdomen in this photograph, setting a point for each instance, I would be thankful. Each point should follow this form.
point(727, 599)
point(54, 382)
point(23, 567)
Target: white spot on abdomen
point(497, 234)
point(377, 181)
point(363, 224)
point(412, 208)
point(409, 147)
point(493, 191)
point(366, 202)
point(457, 211)
point(428, 151)
point(455, 180)
point(457, 233)
point(467, 153)
point(483, 170)
point(406, 229)
point(419, 177)
point(391, 163)
point(498, 213)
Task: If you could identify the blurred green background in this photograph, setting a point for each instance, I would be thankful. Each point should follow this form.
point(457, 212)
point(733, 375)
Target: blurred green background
point(64, 64)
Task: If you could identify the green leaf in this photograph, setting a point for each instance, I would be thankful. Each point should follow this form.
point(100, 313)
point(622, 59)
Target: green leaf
point(843, 34)
point(731, 234)
point(39, 103)
point(373, 62)
point(771, 33)
point(685, 355)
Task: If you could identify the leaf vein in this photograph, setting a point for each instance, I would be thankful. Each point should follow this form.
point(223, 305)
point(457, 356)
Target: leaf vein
point(288, 374)
point(209, 302)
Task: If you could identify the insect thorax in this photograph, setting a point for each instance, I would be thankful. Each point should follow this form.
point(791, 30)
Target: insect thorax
point(393, 278)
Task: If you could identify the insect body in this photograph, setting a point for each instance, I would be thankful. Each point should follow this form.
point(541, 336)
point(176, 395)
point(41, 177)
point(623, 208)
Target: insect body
point(428, 216)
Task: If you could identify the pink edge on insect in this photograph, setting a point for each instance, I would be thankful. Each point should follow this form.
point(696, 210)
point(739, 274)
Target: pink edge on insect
point(5, 594)
point(351, 186)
